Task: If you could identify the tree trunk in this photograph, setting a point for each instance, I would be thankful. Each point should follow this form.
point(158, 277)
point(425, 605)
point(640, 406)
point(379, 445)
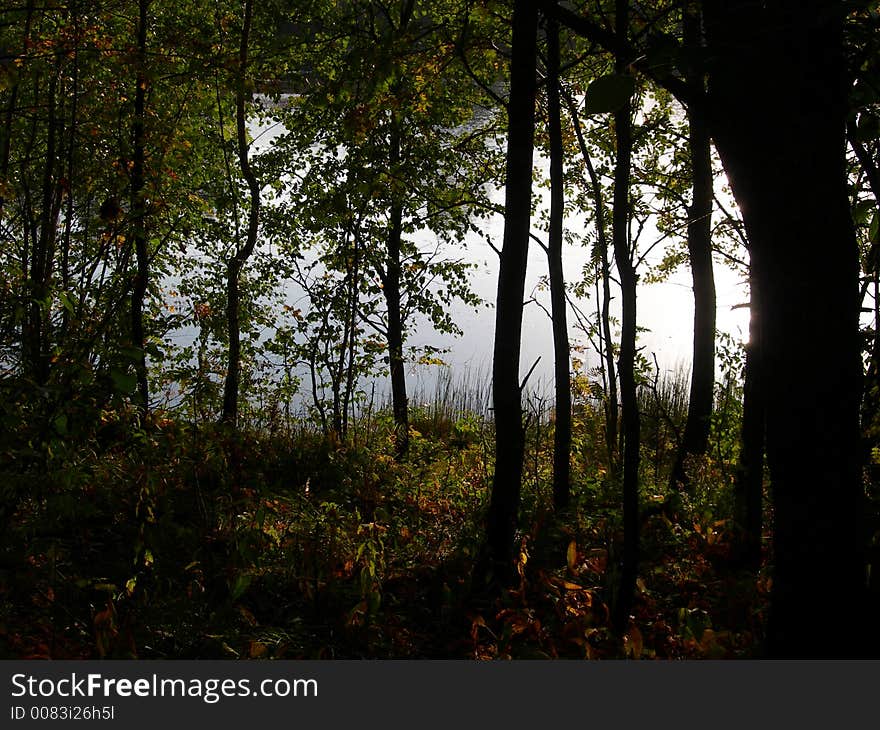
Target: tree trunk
point(9, 114)
point(509, 437)
point(237, 262)
point(699, 238)
point(749, 486)
point(779, 100)
point(139, 214)
point(35, 335)
point(391, 282)
point(626, 364)
point(391, 291)
point(349, 357)
point(72, 136)
point(561, 353)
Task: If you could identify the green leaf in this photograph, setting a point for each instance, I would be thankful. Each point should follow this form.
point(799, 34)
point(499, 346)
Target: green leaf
point(61, 425)
point(67, 302)
point(862, 210)
point(609, 93)
point(123, 382)
point(241, 585)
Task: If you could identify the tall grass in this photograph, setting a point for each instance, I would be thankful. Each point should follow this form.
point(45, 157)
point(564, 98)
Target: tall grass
point(454, 397)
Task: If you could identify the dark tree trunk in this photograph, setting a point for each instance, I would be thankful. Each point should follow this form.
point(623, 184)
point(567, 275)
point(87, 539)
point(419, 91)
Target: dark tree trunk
point(237, 262)
point(749, 486)
point(561, 353)
point(626, 364)
point(139, 213)
point(37, 323)
point(9, 113)
point(612, 408)
point(699, 238)
point(72, 136)
point(391, 280)
point(779, 101)
point(509, 437)
point(36, 335)
point(391, 291)
point(348, 366)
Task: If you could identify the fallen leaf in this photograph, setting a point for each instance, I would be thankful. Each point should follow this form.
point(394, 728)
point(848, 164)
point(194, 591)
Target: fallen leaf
point(633, 643)
point(571, 555)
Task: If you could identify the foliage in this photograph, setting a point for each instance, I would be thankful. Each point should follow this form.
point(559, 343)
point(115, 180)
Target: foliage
point(148, 530)
point(197, 543)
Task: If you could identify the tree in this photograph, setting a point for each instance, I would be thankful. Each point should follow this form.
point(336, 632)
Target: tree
point(559, 303)
point(699, 240)
point(749, 486)
point(626, 364)
point(388, 147)
point(243, 252)
point(502, 516)
point(139, 210)
point(812, 452)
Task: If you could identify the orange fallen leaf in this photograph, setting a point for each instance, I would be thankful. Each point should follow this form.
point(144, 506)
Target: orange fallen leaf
point(633, 642)
point(571, 555)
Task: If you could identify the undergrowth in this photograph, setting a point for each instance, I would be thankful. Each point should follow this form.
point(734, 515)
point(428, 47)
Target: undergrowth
point(189, 541)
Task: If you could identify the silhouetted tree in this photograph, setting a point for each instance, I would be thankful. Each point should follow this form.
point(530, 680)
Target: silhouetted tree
point(509, 436)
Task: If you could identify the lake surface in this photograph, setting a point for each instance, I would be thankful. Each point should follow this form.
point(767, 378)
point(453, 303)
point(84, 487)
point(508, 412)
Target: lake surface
point(665, 310)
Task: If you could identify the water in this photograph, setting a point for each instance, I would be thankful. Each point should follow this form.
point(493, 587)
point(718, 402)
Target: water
point(665, 310)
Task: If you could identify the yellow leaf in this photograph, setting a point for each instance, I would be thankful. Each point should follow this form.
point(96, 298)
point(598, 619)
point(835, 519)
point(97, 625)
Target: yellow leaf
point(571, 555)
point(249, 617)
point(633, 643)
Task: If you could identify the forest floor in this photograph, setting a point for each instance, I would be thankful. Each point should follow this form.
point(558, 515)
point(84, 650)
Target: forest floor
point(186, 543)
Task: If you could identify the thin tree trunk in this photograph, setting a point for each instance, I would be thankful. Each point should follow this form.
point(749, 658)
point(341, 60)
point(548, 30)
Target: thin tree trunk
point(350, 369)
point(626, 365)
point(36, 335)
point(237, 262)
point(71, 151)
point(391, 291)
point(509, 436)
point(9, 114)
point(749, 485)
point(699, 238)
point(391, 281)
point(561, 353)
point(139, 213)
